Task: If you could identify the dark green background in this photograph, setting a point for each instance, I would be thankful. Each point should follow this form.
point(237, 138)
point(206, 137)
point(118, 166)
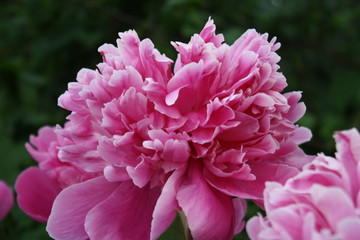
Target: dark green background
point(43, 43)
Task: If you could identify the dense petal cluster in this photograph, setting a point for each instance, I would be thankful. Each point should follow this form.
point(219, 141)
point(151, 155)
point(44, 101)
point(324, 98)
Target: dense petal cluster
point(6, 200)
point(146, 141)
point(322, 202)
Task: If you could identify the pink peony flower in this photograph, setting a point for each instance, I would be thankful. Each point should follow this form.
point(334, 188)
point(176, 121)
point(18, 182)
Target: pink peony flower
point(321, 202)
point(37, 187)
point(6, 200)
point(196, 140)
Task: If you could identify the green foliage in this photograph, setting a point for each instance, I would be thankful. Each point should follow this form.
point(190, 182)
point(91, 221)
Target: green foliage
point(44, 43)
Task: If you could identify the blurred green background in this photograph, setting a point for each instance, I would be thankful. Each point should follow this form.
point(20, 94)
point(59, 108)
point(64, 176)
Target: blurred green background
point(43, 43)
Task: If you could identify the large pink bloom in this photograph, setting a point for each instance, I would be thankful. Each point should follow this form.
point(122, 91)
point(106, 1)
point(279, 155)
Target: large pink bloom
point(6, 200)
point(157, 141)
point(322, 202)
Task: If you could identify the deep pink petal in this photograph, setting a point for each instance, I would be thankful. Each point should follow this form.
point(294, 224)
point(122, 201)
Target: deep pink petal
point(140, 174)
point(176, 151)
point(186, 80)
point(247, 128)
point(6, 200)
point(36, 192)
point(118, 149)
point(164, 212)
point(67, 218)
point(229, 164)
point(240, 208)
point(125, 214)
point(209, 213)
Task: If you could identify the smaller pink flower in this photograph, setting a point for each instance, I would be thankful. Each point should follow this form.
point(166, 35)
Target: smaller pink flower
point(37, 187)
point(6, 200)
point(321, 202)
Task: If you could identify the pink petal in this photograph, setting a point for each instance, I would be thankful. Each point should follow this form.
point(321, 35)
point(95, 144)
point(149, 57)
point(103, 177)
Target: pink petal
point(112, 120)
point(116, 174)
point(67, 218)
point(240, 212)
point(188, 90)
point(209, 213)
point(119, 149)
point(347, 145)
point(254, 227)
point(208, 34)
point(297, 110)
point(41, 144)
point(164, 212)
point(36, 192)
point(306, 179)
point(140, 174)
point(253, 189)
point(349, 228)
point(287, 221)
point(218, 114)
point(187, 78)
point(204, 135)
point(333, 203)
point(124, 79)
point(247, 129)
point(301, 135)
point(6, 200)
point(99, 90)
point(125, 214)
point(242, 69)
point(229, 164)
point(176, 151)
